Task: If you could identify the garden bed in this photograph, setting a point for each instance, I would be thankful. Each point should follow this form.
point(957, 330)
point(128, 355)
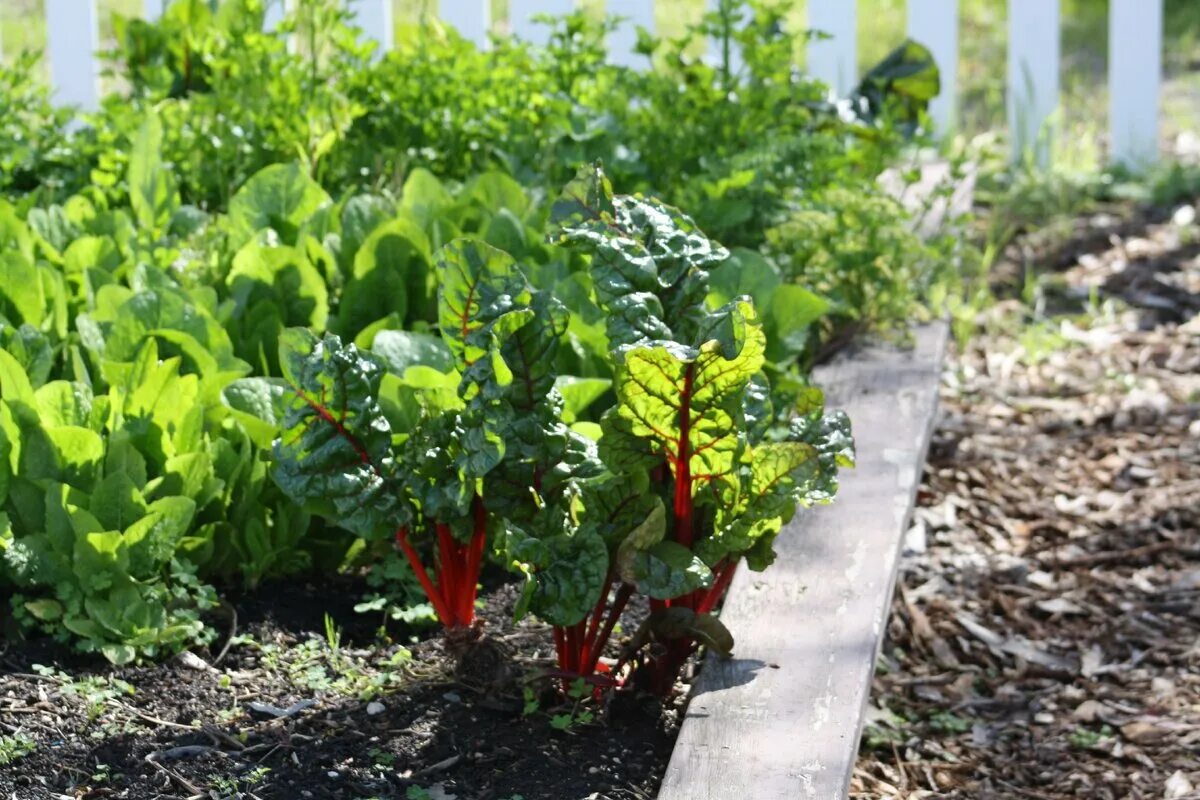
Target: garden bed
point(368, 720)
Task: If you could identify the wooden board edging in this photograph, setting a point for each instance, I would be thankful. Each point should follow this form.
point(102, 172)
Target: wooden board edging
point(781, 720)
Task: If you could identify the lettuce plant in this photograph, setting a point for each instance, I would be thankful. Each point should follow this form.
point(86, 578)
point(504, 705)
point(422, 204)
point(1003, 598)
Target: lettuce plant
point(697, 478)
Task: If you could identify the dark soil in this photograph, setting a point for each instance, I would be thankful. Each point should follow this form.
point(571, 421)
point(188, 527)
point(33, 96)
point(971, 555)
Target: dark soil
point(373, 720)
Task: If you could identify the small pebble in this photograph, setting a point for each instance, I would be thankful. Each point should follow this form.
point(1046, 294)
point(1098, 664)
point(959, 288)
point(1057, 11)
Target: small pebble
point(332, 774)
point(593, 770)
point(375, 708)
point(453, 697)
point(1043, 718)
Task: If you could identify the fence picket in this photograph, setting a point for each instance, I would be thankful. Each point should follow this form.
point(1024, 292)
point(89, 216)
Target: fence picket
point(834, 60)
point(934, 23)
point(72, 40)
point(152, 10)
point(521, 13)
point(1134, 80)
point(471, 18)
point(1033, 63)
point(274, 13)
point(637, 13)
point(375, 19)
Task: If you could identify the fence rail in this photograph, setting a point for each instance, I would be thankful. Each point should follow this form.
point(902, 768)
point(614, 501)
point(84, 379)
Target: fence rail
point(1135, 58)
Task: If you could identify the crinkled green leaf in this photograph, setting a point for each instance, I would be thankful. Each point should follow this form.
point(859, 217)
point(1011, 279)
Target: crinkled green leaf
point(680, 622)
point(482, 296)
point(258, 403)
point(274, 288)
point(400, 350)
point(153, 539)
point(778, 471)
point(689, 403)
point(335, 449)
point(665, 570)
point(565, 573)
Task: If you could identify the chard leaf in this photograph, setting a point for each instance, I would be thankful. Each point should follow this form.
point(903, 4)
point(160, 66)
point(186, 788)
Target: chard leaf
point(335, 448)
point(830, 435)
point(749, 525)
point(615, 504)
point(482, 298)
point(665, 570)
point(680, 622)
point(587, 198)
point(649, 262)
point(689, 404)
point(531, 350)
point(564, 572)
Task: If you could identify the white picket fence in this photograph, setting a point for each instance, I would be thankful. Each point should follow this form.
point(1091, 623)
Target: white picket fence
point(1135, 57)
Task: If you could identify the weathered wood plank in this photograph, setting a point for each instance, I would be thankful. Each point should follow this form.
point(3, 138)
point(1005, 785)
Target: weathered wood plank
point(781, 720)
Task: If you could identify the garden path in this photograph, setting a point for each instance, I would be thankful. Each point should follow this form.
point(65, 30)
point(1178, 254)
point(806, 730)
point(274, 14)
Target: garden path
point(1045, 638)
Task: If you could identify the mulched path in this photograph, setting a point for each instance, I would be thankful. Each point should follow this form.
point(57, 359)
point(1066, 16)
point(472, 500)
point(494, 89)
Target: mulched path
point(1045, 638)
point(287, 715)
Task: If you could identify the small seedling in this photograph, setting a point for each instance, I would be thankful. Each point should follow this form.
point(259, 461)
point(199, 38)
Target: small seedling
point(15, 747)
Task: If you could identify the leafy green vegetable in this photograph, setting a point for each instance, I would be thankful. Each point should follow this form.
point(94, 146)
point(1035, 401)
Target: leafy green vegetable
point(686, 427)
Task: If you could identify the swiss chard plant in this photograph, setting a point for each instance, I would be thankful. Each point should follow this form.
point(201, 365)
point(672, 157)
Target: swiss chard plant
point(698, 477)
point(462, 429)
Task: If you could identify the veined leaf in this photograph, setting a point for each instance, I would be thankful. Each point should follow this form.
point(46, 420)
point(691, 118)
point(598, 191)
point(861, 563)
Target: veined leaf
point(689, 403)
point(335, 449)
point(482, 296)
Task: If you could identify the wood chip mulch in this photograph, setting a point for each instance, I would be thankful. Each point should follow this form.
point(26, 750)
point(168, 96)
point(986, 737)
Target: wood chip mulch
point(1045, 638)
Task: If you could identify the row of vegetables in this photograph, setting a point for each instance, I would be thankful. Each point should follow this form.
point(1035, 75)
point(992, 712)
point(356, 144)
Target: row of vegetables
point(399, 346)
